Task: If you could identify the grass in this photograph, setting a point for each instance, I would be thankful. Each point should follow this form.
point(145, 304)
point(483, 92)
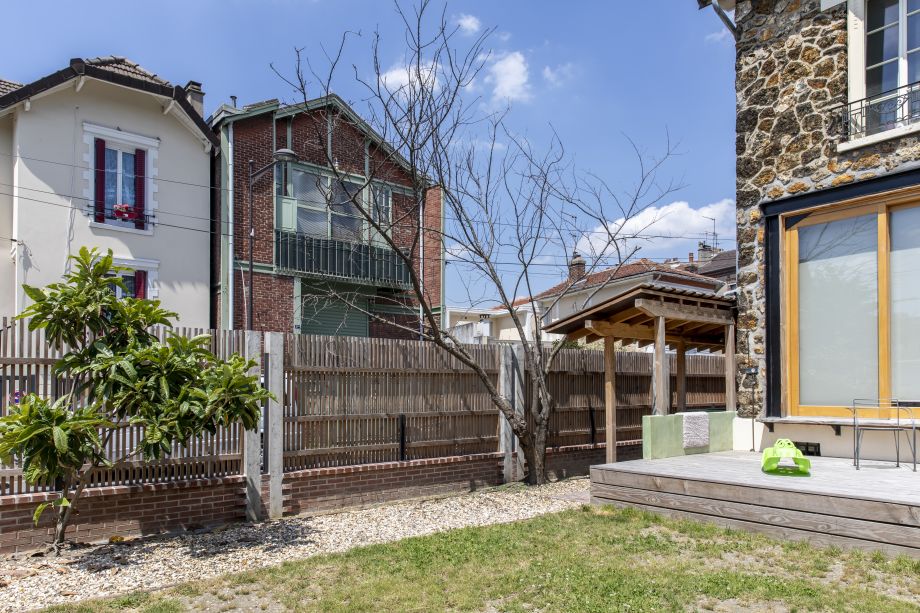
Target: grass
point(589, 559)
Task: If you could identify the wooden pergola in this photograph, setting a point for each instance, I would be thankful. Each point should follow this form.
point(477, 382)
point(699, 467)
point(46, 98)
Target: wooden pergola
point(658, 315)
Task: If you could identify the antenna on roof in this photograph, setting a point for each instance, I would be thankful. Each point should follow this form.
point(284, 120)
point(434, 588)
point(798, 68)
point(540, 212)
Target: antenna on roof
point(715, 236)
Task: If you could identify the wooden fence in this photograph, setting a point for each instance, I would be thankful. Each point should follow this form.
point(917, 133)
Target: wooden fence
point(26, 366)
point(358, 400)
point(353, 401)
point(577, 385)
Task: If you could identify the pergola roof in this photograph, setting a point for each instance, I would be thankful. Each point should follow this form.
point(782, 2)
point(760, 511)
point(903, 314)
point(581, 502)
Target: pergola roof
point(695, 318)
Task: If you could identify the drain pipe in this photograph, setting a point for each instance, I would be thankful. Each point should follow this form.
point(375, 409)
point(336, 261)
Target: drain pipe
point(230, 295)
point(725, 19)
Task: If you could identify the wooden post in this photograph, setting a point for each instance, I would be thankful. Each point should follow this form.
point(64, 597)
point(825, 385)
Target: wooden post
point(610, 397)
point(681, 376)
point(274, 422)
point(661, 402)
point(252, 439)
point(511, 386)
point(731, 380)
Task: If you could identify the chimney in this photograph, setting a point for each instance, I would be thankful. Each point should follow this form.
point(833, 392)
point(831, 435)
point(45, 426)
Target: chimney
point(576, 267)
point(690, 257)
point(705, 252)
point(195, 96)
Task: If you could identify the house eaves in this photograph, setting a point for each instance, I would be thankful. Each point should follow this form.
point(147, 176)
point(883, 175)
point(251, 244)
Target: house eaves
point(80, 68)
point(226, 114)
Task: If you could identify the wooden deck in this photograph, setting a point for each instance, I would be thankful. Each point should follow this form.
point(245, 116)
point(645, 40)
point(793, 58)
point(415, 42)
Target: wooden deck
point(875, 508)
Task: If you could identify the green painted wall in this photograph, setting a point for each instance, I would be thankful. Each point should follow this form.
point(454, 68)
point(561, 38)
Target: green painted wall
point(663, 435)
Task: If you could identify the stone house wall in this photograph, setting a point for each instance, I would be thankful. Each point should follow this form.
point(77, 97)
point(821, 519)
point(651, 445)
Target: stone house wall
point(791, 86)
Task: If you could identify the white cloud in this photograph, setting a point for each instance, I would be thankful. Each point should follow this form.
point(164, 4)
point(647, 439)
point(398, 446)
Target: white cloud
point(504, 36)
point(672, 230)
point(559, 75)
point(469, 24)
point(399, 77)
point(720, 36)
point(509, 77)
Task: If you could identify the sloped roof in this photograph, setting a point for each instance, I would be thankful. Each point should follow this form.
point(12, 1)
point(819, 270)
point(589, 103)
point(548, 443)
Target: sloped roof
point(639, 267)
point(8, 86)
point(119, 71)
point(720, 261)
point(124, 66)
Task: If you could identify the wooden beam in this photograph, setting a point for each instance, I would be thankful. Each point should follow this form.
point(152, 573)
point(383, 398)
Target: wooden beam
point(684, 312)
point(660, 378)
point(681, 377)
point(730, 377)
point(610, 397)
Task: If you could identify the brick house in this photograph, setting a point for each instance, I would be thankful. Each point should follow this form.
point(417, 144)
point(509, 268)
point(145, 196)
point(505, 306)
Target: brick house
point(828, 179)
point(319, 265)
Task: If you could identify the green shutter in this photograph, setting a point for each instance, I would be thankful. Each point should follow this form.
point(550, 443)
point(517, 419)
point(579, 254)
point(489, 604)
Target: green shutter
point(324, 315)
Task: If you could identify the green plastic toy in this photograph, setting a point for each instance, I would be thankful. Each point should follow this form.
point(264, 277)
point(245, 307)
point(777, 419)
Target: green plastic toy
point(781, 450)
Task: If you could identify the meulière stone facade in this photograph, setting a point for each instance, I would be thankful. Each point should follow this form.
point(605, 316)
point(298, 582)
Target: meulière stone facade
point(791, 85)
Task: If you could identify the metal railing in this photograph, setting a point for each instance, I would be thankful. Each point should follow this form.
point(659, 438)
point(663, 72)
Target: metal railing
point(327, 257)
point(130, 216)
point(887, 111)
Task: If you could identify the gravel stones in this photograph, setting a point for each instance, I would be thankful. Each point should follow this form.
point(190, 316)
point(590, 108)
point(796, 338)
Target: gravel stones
point(82, 572)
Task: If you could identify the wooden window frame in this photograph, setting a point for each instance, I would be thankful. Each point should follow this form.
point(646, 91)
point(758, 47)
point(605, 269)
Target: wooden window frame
point(882, 207)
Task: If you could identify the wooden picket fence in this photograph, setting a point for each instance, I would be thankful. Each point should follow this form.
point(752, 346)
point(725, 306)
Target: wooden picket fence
point(350, 401)
point(27, 366)
point(359, 400)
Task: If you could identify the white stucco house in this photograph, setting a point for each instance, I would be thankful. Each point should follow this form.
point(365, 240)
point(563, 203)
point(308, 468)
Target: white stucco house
point(106, 154)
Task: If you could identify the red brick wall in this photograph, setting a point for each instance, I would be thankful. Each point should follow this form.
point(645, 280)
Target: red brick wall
point(125, 511)
point(273, 300)
point(253, 140)
point(322, 489)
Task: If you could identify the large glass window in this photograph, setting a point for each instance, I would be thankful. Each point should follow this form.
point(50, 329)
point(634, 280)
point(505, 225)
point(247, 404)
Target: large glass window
point(838, 311)
point(327, 208)
point(905, 303)
point(120, 197)
point(853, 311)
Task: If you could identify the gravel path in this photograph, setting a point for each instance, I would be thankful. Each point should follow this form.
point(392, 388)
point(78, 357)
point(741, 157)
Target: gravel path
point(157, 562)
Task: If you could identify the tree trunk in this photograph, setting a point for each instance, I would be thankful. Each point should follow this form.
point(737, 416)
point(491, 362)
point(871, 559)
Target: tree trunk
point(534, 448)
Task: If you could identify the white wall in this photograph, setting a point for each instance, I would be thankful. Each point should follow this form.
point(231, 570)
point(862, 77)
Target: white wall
point(55, 189)
point(7, 296)
point(875, 445)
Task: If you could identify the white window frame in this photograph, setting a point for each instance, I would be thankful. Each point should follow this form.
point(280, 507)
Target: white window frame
point(115, 138)
point(151, 267)
point(120, 149)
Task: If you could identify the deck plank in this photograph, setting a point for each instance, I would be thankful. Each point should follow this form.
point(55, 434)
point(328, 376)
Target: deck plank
point(874, 508)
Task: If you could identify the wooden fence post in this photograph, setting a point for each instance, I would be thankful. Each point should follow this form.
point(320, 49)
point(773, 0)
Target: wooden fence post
point(511, 386)
point(274, 422)
point(252, 439)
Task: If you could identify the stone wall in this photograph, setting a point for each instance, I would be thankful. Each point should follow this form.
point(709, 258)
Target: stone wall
point(791, 85)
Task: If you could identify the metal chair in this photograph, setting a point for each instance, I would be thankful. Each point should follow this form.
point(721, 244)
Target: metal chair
point(890, 416)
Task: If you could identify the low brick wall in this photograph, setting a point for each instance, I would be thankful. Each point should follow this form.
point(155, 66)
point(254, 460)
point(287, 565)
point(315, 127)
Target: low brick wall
point(124, 511)
point(323, 489)
point(153, 508)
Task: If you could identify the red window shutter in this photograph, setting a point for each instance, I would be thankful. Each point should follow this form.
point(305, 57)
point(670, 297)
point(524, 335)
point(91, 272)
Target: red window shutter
point(140, 283)
point(99, 196)
point(140, 192)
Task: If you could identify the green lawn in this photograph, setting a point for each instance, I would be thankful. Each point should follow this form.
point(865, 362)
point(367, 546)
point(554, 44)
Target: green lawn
point(590, 559)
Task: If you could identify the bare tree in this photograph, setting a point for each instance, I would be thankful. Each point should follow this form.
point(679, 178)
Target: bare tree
point(508, 206)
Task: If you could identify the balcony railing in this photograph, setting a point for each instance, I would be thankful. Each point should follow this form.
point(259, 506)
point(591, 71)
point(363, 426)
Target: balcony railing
point(326, 257)
point(893, 109)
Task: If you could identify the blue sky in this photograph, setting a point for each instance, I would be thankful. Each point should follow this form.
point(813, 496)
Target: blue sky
point(593, 70)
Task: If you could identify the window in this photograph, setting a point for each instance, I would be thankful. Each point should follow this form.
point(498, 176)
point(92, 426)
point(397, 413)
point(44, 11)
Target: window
point(120, 185)
point(326, 208)
point(381, 210)
point(135, 284)
point(892, 62)
point(852, 310)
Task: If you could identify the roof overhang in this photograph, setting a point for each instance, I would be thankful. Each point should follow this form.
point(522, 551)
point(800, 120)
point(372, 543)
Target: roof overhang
point(174, 97)
point(696, 319)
